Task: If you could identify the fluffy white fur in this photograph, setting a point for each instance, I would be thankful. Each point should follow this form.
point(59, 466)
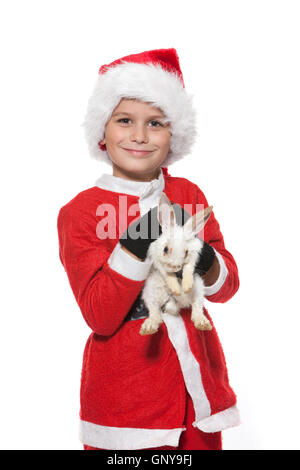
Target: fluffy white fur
point(148, 83)
point(177, 248)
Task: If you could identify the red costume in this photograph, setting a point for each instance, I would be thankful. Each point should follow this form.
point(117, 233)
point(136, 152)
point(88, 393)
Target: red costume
point(133, 387)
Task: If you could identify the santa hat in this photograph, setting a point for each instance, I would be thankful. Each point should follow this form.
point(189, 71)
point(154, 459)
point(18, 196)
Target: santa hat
point(151, 76)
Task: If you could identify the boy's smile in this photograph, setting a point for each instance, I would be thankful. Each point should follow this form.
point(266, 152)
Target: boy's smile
point(137, 139)
point(138, 152)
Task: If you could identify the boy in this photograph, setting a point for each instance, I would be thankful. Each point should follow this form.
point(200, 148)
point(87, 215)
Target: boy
point(168, 390)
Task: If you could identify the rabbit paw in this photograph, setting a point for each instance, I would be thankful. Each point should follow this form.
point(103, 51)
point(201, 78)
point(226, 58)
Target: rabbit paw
point(174, 285)
point(202, 323)
point(149, 327)
point(187, 283)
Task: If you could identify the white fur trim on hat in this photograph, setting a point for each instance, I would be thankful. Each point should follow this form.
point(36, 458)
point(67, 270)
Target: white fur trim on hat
point(147, 83)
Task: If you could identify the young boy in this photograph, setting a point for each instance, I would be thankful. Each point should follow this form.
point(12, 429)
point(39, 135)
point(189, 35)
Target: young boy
point(167, 390)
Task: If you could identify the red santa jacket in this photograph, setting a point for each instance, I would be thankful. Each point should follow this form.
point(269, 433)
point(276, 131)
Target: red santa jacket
point(133, 387)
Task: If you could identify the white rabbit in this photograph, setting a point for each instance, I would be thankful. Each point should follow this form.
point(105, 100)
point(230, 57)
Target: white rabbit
point(177, 248)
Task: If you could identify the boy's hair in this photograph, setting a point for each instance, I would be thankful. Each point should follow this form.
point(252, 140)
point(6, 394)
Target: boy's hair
point(154, 77)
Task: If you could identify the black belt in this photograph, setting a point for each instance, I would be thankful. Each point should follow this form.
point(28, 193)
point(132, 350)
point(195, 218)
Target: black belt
point(138, 310)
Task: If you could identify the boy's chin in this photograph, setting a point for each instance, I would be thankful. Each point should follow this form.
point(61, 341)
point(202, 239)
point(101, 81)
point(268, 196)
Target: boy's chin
point(140, 167)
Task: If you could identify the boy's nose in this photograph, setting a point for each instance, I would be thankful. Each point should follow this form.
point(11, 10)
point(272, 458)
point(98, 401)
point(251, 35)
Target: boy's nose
point(139, 135)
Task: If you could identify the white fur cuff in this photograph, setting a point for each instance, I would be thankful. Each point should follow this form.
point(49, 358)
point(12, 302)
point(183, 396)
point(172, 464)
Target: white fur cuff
point(213, 289)
point(128, 266)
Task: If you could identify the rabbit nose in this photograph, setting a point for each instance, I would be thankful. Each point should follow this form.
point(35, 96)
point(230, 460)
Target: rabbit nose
point(173, 266)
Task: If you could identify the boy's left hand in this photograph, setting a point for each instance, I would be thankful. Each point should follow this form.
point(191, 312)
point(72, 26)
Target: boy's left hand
point(205, 260)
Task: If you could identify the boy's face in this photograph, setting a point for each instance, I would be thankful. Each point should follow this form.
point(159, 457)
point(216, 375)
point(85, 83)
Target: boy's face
point(135, 125)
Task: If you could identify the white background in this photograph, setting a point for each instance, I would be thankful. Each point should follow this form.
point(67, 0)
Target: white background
point(240, 60)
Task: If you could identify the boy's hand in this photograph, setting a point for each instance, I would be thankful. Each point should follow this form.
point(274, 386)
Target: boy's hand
point(205, 260)
point(212, 274)
point(141, 233)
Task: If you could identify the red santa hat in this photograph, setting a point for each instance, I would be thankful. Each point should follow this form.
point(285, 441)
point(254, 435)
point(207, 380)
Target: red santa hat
point(151, 76)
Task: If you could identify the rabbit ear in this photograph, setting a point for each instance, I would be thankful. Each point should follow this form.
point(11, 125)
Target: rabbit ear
point(196, 223)
point(166, 215)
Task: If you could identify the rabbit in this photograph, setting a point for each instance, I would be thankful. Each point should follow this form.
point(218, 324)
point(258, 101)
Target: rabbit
point(176, 249)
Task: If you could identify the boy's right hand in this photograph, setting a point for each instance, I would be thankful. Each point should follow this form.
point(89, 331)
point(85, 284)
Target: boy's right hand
point(141, 233)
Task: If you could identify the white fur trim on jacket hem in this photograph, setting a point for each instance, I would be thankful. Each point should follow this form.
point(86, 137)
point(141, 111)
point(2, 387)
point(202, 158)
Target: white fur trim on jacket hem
point(190, 368)
point(189, 365)
point(219, 421)
point(114, 438)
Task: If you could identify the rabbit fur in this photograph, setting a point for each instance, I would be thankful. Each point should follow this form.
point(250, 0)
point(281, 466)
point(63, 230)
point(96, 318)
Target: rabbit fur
point(177, 248)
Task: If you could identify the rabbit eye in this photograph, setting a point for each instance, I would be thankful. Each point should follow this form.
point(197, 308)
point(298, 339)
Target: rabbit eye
point(166, 249)
point(186, 252)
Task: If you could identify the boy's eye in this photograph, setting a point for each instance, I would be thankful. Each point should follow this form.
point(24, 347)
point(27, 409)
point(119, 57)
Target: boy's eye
point(123, 119)
point(127, 119)
point(186, 252)
point(156, 122)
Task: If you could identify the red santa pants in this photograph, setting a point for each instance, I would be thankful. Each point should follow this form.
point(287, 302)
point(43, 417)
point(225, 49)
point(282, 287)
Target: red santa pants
point(190, 439)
